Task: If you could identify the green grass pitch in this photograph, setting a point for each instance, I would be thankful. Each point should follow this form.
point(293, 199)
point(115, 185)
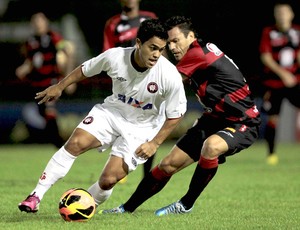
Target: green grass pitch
point(245, 193)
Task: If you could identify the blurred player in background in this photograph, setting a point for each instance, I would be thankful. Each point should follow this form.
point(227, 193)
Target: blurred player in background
point(228, 125)
point(48, 57)
point(121, 30)
point(280, 55)
point(130, 120)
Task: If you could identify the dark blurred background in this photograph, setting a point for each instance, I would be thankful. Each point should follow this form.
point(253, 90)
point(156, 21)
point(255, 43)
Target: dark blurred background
point(235, 26)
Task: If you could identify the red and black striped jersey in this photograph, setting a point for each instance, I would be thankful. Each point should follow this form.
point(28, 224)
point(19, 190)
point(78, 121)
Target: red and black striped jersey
point(121, 31)
point(42, 51)
point(284, 47)
point(219, 85)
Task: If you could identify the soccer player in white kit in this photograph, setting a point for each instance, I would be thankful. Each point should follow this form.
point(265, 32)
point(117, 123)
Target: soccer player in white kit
point(147, 103)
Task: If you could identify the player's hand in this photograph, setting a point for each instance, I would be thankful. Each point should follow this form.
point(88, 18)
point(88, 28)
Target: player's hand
point(146, 150)
point(24, 69)
point(288, 79)
point(51, 93)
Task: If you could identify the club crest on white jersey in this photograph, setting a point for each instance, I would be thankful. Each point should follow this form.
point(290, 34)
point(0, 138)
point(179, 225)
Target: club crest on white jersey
point(152, 87)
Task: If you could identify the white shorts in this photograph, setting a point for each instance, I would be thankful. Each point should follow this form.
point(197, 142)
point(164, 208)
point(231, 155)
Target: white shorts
point(113, 131)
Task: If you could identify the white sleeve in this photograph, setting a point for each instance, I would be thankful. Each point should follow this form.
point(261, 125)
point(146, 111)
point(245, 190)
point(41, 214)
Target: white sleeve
point(95, 65)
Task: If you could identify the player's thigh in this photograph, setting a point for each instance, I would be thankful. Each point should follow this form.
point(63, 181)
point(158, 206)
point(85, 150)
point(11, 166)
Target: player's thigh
point(293, 96)
point(272, 105)
point(81, 141)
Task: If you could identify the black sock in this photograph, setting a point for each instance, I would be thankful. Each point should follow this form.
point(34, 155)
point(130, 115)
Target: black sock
point(200, 179)
point(148, 165)
point(270, 137)
point(148, 187)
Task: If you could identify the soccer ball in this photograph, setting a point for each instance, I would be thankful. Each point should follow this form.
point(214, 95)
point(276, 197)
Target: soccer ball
point(77, 204)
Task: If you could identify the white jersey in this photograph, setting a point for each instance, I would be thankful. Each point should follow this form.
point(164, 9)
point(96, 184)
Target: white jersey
point(138, 96)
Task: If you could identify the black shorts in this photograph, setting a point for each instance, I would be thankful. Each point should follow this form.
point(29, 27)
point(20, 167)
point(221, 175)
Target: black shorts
point(274, 98)
point(237, 136)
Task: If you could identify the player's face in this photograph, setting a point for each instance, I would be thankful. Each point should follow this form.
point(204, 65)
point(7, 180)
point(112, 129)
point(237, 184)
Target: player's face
point(130, 4)
point(148, 53)
point(283, 15)
point(178, 43)
point(39, 22)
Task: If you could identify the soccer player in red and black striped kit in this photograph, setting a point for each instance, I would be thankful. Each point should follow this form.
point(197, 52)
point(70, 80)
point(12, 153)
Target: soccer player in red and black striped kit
point(280, 54)
point(48, 56)
point(229, 124)
point(121, 29)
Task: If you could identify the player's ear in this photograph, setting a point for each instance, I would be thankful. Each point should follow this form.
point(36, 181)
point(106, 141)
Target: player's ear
point(191, 35)
point(138, 43)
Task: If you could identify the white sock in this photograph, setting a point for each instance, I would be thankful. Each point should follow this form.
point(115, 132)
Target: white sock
point(57, 167)
point(99, 194)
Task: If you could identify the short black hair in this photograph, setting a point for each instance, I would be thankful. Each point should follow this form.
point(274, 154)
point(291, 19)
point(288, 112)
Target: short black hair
point(183, 23)
point(152, 28)
point(282, 2)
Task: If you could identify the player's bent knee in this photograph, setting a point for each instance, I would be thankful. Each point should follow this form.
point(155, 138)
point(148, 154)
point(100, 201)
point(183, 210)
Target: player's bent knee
point(107, 182)
point(212, 149)
point(167, 168)
point(75, 145)
point(81, 141)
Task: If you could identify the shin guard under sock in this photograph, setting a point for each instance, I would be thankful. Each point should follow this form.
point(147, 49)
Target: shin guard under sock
point(204, 172)
point(99, 194)
point(148, 165)
point(151, 184)
point(57, 167)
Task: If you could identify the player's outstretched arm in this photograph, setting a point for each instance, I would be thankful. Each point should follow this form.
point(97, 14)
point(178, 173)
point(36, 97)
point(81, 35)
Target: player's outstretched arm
point(54, 92)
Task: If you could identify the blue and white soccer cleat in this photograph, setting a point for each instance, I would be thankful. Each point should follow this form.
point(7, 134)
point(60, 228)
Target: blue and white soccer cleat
point(174, 208)
point(116, 210)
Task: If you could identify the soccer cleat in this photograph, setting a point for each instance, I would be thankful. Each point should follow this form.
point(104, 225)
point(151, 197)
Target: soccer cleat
point(30, 204)
point(116, 210)
point(174, 208)
point(272, 159)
